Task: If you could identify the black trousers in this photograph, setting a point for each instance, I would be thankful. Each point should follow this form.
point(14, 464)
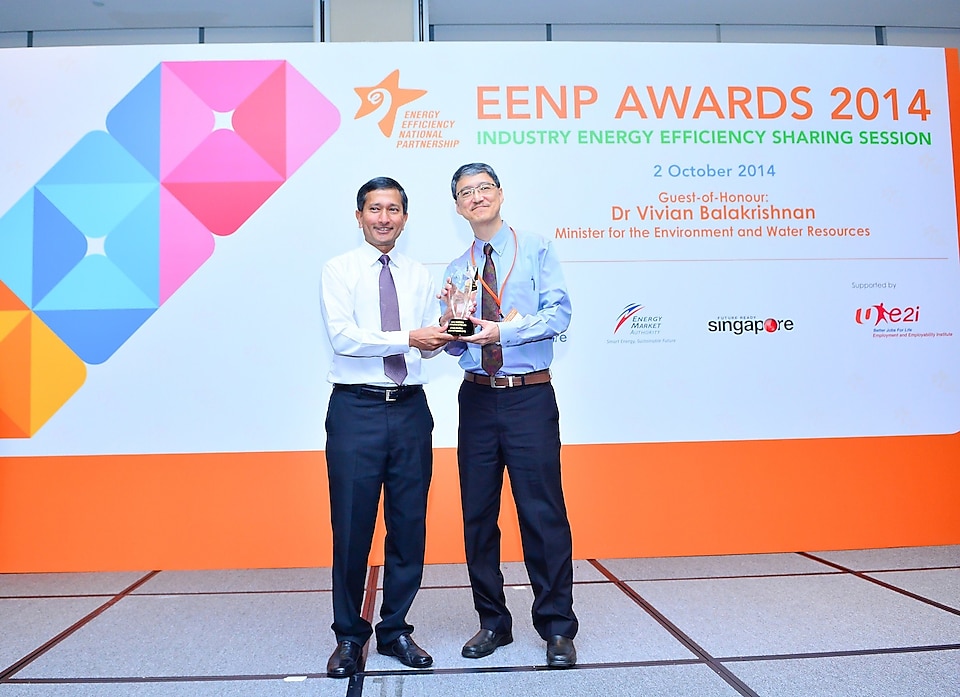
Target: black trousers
point(374, 445)
point(517, 428)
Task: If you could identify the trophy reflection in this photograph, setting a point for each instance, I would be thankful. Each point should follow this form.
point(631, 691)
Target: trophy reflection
point(462, 300)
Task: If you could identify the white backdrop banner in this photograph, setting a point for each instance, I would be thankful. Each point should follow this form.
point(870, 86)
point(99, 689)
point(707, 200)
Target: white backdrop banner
point(760, 241)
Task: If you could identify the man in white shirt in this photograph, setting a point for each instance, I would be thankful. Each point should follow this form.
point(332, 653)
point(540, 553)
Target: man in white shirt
point(379, 308)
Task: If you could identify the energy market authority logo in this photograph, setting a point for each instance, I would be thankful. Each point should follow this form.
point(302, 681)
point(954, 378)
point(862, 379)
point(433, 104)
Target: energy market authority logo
point(740, 325)
point(634, 326)
point(630, 320)
point(127, 215)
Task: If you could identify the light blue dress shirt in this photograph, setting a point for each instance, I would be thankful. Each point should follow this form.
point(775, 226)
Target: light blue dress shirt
point(535, 288)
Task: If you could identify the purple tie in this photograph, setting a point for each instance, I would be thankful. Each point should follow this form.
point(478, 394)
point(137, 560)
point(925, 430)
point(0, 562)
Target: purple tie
point(394, 366)
point(491, 355)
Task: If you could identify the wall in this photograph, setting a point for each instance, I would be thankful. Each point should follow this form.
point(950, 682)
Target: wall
point(268, 509)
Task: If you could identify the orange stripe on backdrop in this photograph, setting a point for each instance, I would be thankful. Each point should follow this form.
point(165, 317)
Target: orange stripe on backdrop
point(953, 97)
point(270, 509)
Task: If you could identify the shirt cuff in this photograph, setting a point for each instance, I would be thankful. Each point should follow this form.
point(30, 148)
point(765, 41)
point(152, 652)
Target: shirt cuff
point(508, 333)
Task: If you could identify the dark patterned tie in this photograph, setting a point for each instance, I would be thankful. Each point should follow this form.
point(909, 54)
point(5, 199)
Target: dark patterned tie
point(394, 366)
point(491, 355)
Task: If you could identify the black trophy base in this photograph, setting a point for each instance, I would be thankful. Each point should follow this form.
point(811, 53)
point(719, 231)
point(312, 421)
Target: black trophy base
point(460, 326)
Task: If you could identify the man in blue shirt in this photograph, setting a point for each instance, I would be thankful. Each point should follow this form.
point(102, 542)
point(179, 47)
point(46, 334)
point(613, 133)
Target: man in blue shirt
point(509, 418)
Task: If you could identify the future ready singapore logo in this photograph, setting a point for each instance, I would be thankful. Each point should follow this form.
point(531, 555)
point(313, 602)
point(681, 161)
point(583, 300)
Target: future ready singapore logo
point(127, 215)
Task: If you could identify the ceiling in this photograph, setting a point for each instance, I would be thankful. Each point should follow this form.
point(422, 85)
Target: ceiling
point(40, 15)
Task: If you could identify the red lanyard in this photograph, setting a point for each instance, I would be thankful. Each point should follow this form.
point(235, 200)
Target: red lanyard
point(498, 297)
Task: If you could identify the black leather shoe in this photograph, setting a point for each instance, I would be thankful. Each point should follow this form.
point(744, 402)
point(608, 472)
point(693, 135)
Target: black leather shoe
point(405, 649)
point(561, 653)
point(484, 643)
point(343, 662)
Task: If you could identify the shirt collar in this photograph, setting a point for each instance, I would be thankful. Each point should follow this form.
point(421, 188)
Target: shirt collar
point(498, 242)
point(372, 255)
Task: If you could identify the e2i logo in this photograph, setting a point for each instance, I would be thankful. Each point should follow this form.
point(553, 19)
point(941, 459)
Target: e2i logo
point(895, 315)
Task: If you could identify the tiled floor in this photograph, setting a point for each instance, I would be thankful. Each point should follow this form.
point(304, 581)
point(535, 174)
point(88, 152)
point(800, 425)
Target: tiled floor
point(871, 622)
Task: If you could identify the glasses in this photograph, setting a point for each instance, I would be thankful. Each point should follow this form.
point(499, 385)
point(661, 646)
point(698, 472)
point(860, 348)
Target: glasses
point(482, 189)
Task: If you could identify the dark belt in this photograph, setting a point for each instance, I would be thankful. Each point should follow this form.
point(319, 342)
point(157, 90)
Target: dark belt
point(537, 377)
point(381, 394)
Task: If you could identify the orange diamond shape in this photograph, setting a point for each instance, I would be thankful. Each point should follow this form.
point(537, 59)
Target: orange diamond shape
point(38, 372)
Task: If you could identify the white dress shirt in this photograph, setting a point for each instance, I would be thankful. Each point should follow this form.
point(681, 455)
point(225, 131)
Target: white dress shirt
point(350, 301)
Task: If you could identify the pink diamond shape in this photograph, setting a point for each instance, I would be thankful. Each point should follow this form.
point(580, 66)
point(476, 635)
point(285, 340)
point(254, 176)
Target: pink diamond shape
point(279, 121)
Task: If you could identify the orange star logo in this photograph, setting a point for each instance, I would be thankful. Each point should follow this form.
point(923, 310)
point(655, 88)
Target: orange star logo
point(373, 98)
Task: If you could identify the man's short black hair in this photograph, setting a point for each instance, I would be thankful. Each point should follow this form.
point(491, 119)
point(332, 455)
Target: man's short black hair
point(377, 184)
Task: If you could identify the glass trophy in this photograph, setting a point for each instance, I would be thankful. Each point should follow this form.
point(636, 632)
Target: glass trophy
point(463, 297)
